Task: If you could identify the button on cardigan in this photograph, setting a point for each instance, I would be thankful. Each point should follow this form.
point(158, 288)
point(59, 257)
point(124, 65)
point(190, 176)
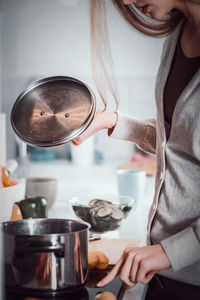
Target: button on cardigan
point(175, 223)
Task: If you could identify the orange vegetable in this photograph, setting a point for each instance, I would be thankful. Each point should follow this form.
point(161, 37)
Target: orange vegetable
point(92, 261)
point(105, 296)
point(103, 260)
point(6, 181)
point(16, 213)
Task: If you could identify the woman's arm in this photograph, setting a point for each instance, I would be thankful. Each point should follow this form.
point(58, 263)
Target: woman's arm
point(102, 120)
point(138, 265)
point(140, 132)
point(183, 248)
point(120, 126)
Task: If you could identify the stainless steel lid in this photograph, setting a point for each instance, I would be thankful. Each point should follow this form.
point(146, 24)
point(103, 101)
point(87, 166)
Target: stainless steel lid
point(53, 111)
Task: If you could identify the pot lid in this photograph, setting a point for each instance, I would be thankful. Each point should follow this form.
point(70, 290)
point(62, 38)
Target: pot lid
point(53, 111)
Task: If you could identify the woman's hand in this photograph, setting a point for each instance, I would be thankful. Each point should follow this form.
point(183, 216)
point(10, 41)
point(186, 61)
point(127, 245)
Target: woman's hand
point(102, 120)
point(138, 265)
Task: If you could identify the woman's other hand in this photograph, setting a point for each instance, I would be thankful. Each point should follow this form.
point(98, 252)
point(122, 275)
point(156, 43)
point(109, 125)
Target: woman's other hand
point(138, 265)
point(102, 120)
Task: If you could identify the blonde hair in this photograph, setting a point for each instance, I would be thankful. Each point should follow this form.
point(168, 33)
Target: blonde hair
point(102, 64)
point(146, 24)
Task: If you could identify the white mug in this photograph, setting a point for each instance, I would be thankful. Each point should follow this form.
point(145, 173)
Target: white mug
point(39, 186)
point(131, 182)
point(83, 155)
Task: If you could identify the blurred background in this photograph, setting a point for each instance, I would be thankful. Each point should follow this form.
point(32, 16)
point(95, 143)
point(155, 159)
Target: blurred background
point(44, 38)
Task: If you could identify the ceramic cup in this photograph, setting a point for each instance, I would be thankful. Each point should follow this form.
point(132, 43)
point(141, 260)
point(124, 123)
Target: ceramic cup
point(46, 187)
point(131, 183)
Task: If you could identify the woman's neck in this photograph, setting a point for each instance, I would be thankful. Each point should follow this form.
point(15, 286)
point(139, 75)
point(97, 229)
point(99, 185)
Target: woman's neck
point(190, 38)
point(191, 10)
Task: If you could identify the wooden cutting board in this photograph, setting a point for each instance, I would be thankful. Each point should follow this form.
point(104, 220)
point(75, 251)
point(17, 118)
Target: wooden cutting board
point(149, 165)
point(113, 248)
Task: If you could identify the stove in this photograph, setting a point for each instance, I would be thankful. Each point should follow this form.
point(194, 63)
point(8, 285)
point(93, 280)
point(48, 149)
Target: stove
point(80, 294)
point(83, 293)
point(88, 292)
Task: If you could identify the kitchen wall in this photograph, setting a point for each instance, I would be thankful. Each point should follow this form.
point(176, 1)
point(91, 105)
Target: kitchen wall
point(0, 57)
point(1, 248)
point(42, 38)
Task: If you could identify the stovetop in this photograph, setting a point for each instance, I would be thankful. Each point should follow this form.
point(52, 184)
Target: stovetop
point(80, 294)
point(84, 293)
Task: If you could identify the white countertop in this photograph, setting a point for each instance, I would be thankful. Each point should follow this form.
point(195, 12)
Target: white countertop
point(96, 181)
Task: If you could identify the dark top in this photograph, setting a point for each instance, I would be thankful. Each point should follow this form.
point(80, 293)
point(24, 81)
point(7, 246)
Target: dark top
point(182, 70)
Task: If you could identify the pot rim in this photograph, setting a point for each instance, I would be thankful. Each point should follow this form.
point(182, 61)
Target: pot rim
point(44, 234)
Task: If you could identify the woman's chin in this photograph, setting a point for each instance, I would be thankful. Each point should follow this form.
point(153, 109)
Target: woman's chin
point(156, 16)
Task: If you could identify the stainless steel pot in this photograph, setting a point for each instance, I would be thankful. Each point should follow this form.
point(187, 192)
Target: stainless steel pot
point(53, 111)
point(45, 254)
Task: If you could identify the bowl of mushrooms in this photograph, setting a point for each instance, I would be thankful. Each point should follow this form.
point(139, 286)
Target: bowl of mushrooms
point(102, 213)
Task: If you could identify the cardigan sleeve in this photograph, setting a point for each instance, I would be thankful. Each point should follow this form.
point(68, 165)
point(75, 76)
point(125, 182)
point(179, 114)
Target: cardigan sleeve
point(188, 240)
point(140, 132)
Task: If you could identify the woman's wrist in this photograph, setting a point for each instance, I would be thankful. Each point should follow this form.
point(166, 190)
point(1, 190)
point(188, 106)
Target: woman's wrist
point(110, 119)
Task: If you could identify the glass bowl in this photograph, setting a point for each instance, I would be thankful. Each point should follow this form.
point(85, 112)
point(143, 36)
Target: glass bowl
point(102, 213)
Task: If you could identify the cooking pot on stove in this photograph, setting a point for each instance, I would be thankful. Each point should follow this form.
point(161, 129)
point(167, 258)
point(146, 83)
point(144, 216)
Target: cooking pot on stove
point(76, 294)
point(53, 111)
point(45, 254)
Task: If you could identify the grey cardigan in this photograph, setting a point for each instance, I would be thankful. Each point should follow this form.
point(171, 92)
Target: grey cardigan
point(174, 218)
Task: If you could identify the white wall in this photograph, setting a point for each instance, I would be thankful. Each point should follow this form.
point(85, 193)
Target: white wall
point(41, 38)
point(0, 58)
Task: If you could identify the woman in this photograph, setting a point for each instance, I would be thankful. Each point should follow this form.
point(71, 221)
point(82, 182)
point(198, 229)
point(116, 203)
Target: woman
point(173, 248)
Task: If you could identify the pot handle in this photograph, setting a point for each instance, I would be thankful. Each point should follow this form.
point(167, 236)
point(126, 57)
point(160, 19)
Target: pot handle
point(58, 249)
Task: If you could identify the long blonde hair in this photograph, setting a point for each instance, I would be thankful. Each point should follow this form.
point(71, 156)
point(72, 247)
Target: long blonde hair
point(102, 64)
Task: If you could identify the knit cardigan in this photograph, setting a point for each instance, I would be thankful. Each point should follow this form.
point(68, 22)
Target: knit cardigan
point(174, 217)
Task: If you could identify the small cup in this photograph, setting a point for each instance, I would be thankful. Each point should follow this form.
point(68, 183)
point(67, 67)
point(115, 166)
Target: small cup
point(131, 182)
point(83, 155)
point(46, 187)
